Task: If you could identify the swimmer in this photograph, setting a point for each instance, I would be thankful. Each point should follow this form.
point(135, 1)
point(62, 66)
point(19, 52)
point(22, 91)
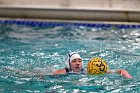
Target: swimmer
point(74, 64)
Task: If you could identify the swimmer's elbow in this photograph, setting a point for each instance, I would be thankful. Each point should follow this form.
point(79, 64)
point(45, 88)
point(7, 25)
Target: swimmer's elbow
point(110, 71)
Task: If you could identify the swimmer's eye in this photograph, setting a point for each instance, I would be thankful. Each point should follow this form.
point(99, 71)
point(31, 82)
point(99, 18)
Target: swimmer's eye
point(74, 60)
point(80, 60)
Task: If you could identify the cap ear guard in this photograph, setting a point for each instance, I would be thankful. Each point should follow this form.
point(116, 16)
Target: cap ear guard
point(68, 61)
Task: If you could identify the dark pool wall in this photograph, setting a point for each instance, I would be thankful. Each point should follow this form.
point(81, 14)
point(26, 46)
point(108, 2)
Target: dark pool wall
point(93, 10)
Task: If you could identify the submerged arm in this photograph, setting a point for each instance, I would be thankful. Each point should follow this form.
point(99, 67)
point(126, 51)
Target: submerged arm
point(23, 72)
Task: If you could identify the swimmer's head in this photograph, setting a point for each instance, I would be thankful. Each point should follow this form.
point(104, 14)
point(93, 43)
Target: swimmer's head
point(73, 56)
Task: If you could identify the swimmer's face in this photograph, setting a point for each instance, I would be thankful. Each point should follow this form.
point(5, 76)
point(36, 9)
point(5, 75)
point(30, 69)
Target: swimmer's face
point(76, 64)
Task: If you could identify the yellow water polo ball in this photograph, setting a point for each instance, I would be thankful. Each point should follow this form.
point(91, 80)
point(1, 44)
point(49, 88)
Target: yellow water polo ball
point(97, 66)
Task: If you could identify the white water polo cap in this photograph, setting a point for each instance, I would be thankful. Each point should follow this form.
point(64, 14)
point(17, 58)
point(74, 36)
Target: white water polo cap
point(70, 57)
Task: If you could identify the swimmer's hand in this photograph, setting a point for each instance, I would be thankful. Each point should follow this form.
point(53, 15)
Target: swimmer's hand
point(125, 73)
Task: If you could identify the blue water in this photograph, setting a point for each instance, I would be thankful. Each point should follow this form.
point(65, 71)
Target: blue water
point(30, 47)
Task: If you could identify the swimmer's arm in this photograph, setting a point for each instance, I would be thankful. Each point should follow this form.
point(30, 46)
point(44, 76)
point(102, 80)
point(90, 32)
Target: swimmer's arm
point(61, 71)
point(120, 72)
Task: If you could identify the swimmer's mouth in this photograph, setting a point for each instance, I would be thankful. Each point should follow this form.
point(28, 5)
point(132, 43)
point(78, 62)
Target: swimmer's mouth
point(77, 67)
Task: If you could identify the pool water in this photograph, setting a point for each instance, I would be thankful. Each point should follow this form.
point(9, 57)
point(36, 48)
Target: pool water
point(30, 47)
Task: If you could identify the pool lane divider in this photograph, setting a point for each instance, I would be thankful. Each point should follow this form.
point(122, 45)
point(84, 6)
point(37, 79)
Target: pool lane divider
point(47, 24)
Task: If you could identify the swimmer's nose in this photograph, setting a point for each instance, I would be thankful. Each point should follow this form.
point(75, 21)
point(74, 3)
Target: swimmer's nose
point(77, 62)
